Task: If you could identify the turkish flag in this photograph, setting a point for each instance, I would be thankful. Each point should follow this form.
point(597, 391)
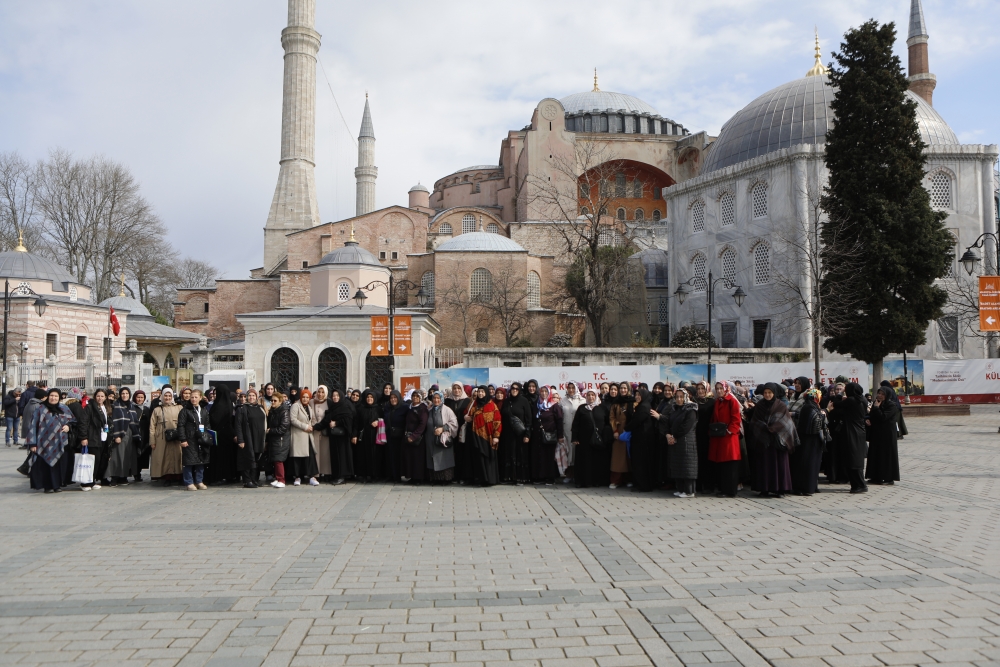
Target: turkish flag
point(115, 325)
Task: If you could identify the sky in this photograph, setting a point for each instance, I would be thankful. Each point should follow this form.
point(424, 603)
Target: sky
point(187, 93)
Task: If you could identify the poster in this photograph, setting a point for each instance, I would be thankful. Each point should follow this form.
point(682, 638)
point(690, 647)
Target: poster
point(892, 370)
point(960, 381)
point(445, 377)
point(693, 373)
point(586, 377)
point(751, 375)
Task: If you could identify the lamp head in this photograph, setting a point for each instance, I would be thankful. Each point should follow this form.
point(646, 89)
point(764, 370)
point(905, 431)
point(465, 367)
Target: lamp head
point(969, 260)
point(40, 305)
point(359, 298)
point(739, 295)
point(681, 293)
point(421, 297)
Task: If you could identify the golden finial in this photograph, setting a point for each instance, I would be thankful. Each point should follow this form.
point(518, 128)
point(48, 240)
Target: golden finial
point(123, 285)
point(353, 240)
point(596, 89)
point(818, 68)
point(20, 242)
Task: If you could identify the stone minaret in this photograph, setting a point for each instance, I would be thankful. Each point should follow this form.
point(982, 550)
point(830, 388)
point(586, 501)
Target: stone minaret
point(294, 205)
point(922, 82)
point(366, 172)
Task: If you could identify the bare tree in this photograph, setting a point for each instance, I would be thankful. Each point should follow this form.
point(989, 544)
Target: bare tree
point(454, 296)
point(195, 273)
point(18, 213)
point(506, 303)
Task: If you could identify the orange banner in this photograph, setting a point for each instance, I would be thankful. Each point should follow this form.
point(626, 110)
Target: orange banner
point(406, 383)
point(402, 337)
point(989, 303)
point(380, 335)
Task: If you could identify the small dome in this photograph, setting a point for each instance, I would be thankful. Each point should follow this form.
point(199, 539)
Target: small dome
point(654, 261)
point(602, 99)
point(419, 188)
point(351, 253)
point(16, 264)
point(480, 242)
point(134, 306)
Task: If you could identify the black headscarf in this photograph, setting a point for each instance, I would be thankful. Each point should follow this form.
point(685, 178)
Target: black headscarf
point(889, 390)
point(485, 399)
point(803, 382)
point(531, 396)
point(855, 390)
point(54, 409)
point(368, 413)
point(340, 411)
point(220, 415)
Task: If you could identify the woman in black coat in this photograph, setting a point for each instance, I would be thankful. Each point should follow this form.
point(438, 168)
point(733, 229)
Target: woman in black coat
point(251, 429)
point(706, 404)
point(883, 455)
point(414, 450)
point(642, 447)
point(394, 415)
point(849, 416)
point(546, 432)
point(459, 402)
point(588, 437)
point(98, 438)
point(514, 452)
point(142, 446)
point(367, 455)
point(279, 437)
point(77, 434)
point(807, 458)
point(339, 420)
point(223, 467)
point(682, 442)
point(196, 449)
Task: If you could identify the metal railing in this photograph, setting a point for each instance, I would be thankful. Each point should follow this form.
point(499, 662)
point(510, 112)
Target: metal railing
point(227, 365)
point(446, 357)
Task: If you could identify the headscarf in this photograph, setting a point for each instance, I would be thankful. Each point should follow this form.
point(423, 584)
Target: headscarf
point(220, 415)
point(134, 394)
point(814, 394)
point(306, 393)
point(75, 392)
point(891, 391)
point(54, 409)
point(771, 419)
point(587, 404)
point(485, 399)
point(326, 390)
point(547, 402)
point(854, 390)
point(464, 395)
point(167, 391)
point(497, 398)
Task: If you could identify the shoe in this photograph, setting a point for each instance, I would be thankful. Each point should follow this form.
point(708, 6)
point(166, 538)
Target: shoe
point(629, 485)
point(268, 479)
point(97, 486)
point(56, 490)
point(48, 490)
point(863, 489)
point(685, 495)
point(297, 482)
point(192, 487)
point(612, 486)
point(123, 483)
point(202, 487)
point(567, 480)
point(313, 482)
point(278, 485)
point(338, 481)
point(548, 483)
point(404, 479)
point(678, 494)
point(249, 485)
point(112, 483)
point(85, 488)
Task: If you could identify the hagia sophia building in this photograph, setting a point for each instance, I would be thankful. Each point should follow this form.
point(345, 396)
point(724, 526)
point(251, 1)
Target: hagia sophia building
point(689, 202)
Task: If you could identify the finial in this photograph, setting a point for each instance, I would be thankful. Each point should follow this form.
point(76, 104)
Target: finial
point(366, 94)
point(596, 89)
point(20, 242)
point(353, 240)
point(123, 285)
point(481, 223)
point(818, 68)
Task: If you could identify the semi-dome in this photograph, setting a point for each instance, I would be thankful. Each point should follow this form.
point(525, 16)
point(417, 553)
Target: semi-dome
point(479, 242)
point(134, 306)
point(21, 265)
point(351, 253)
point(799, 112)
point(605, 99)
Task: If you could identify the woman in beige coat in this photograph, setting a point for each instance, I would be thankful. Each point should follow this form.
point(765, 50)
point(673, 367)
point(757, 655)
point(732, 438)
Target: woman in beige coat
point(321, 442)
point(165, 460)
point(302, 459)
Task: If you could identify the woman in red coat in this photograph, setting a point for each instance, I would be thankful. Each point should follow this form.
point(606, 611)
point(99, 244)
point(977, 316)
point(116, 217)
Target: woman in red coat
point(724, 450)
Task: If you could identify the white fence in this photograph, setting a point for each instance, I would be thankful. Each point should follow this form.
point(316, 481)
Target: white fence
point(65, 375)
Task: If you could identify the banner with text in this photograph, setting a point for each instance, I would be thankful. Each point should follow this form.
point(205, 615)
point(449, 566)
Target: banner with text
point(960, 381)
point(751, 375)
point(586, 377)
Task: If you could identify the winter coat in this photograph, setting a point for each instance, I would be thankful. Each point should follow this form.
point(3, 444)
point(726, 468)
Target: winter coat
point(416, 424)
point(26, 396)
point(166, 457)
point(196, 453)
point(726, 410)
point(550, 420)
point(588, 426)
point(279, 438)
point(569, 407)
point(251, 424)
point(883, 455)
point(440, 456)
point(848, 420)
point(10, 406)
point(682, 422)
point(26, 412)
point(301, 417)
point(511, 408)
point(96, 421)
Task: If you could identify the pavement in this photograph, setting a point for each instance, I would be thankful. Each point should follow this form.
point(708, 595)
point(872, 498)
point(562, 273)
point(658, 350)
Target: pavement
point(385, 574)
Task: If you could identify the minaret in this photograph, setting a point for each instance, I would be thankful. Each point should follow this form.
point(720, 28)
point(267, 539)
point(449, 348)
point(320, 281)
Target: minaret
point(922, 82)
point(294, 205)
point(366, 172)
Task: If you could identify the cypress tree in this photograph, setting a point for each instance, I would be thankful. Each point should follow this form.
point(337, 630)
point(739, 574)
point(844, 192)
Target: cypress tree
point(875, 201)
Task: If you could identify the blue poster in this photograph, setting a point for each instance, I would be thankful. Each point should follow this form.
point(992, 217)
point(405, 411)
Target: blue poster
point(892, 370)
point(693, 373)
point(445, 377)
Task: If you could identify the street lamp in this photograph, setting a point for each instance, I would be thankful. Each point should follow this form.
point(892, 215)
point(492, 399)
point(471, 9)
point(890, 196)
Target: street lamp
point(40, 305)
point(738, 295)
point(969, 260)
point(391, 286)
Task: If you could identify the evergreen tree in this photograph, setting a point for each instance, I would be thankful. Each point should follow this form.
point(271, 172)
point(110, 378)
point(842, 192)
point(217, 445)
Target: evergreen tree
point(875, 200)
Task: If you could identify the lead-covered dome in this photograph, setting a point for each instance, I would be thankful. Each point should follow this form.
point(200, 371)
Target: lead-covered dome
point(20, 265)
point(480, 242)
point(134, 306)
point(351, 253)
point(799, 112)
point(603, 100)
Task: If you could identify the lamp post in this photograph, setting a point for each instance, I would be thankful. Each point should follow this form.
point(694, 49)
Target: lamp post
point(971, 258)
point(40, 305)
point(390, 286)
point(738, 295)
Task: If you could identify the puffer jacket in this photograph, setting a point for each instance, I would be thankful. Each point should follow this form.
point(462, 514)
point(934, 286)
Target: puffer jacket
point(195, 454)
point(279, 437)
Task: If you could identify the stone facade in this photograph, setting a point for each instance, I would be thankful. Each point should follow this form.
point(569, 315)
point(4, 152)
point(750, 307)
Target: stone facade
point(63, 325)
point(211, 311)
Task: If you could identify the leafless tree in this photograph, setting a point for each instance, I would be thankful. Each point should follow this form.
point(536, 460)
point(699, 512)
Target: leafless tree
point(18, 212)
point(195, 273)
point(506, 303)
point(454, 296)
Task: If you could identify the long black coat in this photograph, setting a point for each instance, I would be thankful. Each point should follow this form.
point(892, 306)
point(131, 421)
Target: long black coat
point(279, 432)
point(682, 423)
point(513, 453)
point(848, 416)
point(883, 455)
point(251, 427)
point(643, 459)
point(341, 452)
point(195, 454)
point(588, 431)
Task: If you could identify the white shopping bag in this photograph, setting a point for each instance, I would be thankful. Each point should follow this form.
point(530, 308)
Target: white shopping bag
point(83, 468)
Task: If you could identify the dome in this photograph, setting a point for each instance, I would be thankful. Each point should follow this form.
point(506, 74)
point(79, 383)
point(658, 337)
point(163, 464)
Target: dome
point(603, 99)
point(351, 253)
point(654, 261)
point(419, 188)
point(134, 306)
point(798, 112)
point(480, 242)
point(17, 264)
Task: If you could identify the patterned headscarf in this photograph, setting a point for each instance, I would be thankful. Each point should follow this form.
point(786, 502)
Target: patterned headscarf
point(814, 394)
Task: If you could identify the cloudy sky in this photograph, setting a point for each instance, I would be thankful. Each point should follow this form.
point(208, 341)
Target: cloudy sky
point(187, 93)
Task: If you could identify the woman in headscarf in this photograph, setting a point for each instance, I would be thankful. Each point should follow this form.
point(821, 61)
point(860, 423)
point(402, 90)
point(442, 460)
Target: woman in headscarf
point(48, 440)
point(458, 400)
point(196, 449)
point(339, 420)
point(643, 460)
point(414, 450)
point(569, 403)
point(883, 454)
point(394, 416)
point(848, 416)
point(587, 436)
point(142, 444)
point(77, 433)
point(367, 455)
point(98, 435)
point(545, 436)
point(707, 478)
point(499, 396)
point(895, 399)
point(808, 456)
point(514, 451)
point(124, 433)
point(251, 428)
point(774, 438)
point(835, 461)
point(682, 443)
point(321, 441)
point(724, 454)
point(165, 460)
point(220, 417)
point(383, 397)
point(442, 427)
point(279, 437)
point(302, 462)
point(485, 426)
point(618, 419)
point(802, 385)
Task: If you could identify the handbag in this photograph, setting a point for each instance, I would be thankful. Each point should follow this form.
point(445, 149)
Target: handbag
point(169, 434)
point(549, 437)
point(209, 438)
point(337, 432)
point(598, 439)
point(83, 468)
point(25, 468)
point(380, 438)
point(718, 430)
point(517, 426)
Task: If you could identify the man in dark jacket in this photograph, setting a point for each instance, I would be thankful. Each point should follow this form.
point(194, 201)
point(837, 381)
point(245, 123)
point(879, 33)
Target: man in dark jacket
point(12, 414)
point(26, 395)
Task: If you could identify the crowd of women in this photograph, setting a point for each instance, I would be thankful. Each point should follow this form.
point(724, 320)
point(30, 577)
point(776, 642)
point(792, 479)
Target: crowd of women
point(691, 439)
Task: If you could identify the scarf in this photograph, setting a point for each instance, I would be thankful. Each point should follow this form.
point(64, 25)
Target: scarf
point(772, 421)
point(124, 419)
point(46, 433)
point(486, 421)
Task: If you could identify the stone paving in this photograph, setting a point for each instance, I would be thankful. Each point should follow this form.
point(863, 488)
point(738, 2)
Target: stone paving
point(551, 576)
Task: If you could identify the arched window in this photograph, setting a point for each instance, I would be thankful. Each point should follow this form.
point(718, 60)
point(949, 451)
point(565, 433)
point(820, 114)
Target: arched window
point(584, 211)
point(761, 263)
point(427, 282)
point(699, 267)
point(343, 292)
point(445, 228)
point(656, 215)
point(284, 369)
point(637, 189)
point(698, 216)
point(331, 370)
point(758, 199)
point(604, 210)
point(727, 209)
point(729, 264)
point(493, 228)
point(468, 223)
point(169, 361)
point(534, 290)
point(481, 285)
point(620, 185)
point(640, 214)
point(584, 190)
point(621, 214)
point(941, 191)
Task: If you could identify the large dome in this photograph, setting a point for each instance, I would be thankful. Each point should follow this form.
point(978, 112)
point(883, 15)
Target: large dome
point(602, 100)
point(798, 112)
point(20, 265)
point(480, 242)
point(351, 253)
point(134, 306)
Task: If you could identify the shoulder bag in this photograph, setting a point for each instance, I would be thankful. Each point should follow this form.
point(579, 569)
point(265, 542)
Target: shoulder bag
point(718, 430)
point(517, 426)
point(169, 434)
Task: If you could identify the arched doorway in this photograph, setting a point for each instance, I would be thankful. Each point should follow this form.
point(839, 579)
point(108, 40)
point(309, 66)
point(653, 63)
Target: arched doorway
point(332, 369)
point(284, 369)
point(378, 371)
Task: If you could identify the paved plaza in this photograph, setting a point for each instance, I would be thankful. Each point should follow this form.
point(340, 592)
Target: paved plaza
point(393, 574)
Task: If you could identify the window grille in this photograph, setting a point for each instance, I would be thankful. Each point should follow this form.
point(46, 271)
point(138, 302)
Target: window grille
point(948, 334)
point(481, 286)
point(621, 214)
point(493, 228)
point(640, 214)
point(698, 216)
point(620, 186)
point(699, 267)
point(758, 198)
point(941, 190)
point(761, 264)
point(762, 333)
point(445, 228)
point(468, 223)
point(656, 215)
point(649, 313)
point(605, 237)
point(729, 334)
point(50, 345)
point(332, 369)
point(427, 282)
point(584, 190)
point(664, 311)
point(727, 209)
point(81, 348)
point(482, 335)
point(534, 290)
point(343, 292)
point(729, 265)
